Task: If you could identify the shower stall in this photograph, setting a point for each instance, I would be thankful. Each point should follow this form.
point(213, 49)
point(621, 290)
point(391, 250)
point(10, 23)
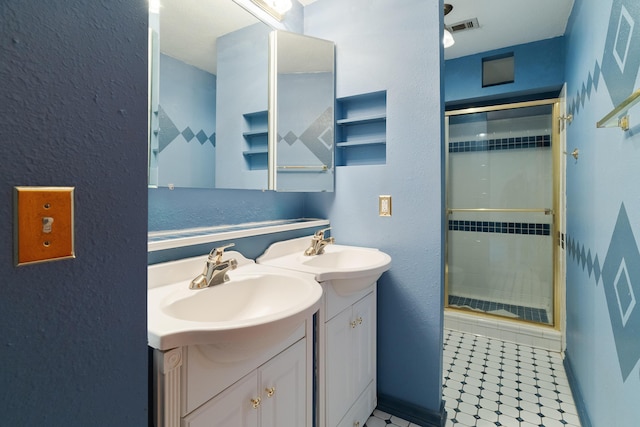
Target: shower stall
point(502, 165)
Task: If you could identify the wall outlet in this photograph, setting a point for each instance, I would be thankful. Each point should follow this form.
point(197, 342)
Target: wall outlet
point(384, 205)
point(43, 224)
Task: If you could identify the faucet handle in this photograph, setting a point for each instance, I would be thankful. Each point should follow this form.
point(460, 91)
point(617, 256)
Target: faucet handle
point(320, 233)
point(217, 252)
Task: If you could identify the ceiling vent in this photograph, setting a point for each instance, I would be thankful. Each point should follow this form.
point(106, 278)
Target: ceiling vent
point(467, 24)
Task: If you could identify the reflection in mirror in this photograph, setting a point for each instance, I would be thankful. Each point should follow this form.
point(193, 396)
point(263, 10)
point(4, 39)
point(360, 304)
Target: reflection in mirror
point(209, 95)
point(301, 113)
point(184, 141)
point(241, 104)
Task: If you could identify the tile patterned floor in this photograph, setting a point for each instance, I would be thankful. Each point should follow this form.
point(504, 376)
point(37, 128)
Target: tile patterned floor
point(488, 382)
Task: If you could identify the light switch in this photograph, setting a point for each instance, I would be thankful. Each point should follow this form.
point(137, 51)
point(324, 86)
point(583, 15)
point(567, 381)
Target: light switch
point(384, 205)
point(43, 224)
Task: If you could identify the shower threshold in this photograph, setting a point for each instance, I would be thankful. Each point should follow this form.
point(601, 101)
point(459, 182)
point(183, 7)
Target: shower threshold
point(531, 314)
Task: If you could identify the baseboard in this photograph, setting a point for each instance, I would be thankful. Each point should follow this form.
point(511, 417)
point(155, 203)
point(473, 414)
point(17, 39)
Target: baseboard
point(575, 391)
point(411, 412)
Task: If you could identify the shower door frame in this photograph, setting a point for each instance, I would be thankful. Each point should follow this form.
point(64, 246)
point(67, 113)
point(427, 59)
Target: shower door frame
point(556, 209)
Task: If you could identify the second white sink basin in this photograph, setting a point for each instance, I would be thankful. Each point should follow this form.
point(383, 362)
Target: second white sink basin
point(348, 268)
point(258, 307)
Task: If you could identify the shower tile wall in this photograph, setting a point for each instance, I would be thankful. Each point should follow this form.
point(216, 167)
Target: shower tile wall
point(500, 257)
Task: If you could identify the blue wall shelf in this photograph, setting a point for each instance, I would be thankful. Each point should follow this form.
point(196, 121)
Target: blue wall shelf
point(256, 155)
point(361, 129)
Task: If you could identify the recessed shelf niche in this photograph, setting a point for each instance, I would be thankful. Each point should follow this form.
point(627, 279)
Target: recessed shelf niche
point(256, 153)
point(361, 129)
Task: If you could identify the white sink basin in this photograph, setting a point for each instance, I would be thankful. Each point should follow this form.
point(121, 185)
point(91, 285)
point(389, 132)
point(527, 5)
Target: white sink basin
point(348, 268)
point(257, 308)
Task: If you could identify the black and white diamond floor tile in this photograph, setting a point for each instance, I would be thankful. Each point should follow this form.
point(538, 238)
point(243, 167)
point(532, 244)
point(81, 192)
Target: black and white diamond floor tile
point(492, 383)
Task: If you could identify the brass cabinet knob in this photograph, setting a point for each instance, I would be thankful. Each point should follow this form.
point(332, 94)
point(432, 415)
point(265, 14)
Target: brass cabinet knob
point(255, 402)
point(270, 391)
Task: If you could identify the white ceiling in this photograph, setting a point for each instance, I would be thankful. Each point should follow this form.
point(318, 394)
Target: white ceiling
point(189, 27)
point(505, 23)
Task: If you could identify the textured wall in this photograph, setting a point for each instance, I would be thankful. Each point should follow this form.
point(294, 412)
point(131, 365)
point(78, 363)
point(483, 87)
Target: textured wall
point(603, 212)
point(73, 103)
point(196, 207)
point(539, 67)
point(394, 46)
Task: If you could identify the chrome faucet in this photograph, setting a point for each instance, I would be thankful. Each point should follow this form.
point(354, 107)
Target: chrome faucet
point(215, 272)
point(318, 243)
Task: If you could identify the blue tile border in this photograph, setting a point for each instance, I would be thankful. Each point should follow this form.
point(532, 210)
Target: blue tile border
point(501, 227)
point(527, 313)
point(537, 141)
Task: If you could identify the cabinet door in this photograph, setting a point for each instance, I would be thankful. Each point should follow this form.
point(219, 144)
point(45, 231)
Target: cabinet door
point(364, 316)
point(234, 407)
point(283, 388)
point(338, 372)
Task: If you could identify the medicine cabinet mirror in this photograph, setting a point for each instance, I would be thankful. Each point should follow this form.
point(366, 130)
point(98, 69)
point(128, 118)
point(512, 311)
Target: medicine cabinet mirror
point(214, 113)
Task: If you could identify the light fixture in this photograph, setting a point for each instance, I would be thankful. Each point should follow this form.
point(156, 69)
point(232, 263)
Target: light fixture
point(447, 37)
point(154, 6)
point(275, 8)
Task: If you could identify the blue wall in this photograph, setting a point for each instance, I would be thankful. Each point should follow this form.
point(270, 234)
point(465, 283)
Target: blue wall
point(538, 68)
point(603, 213)
point(193, 207)
point(395, 46)
point(73, 109)
point(243, 64)
point(187, 116)
point(392, 46)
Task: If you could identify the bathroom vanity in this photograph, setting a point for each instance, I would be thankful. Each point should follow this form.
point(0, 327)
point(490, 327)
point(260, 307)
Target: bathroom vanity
point(287, 341)
point(346, 324)
point(239, 353)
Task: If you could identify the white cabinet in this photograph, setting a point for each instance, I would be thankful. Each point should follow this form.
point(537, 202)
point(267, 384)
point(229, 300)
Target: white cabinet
point(194, 387)
point(283, 389)
point(350, 360)
point(274, 395)
point(233, 407)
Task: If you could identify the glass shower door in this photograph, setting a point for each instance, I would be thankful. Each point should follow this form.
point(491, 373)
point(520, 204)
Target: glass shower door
point(500, 200)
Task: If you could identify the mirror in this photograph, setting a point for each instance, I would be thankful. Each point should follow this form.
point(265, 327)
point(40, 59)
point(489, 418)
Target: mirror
point(301, 112)
point(209, 100)
point(184, 88)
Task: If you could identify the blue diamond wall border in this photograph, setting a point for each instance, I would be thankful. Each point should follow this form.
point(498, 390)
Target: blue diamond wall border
point(620, 275)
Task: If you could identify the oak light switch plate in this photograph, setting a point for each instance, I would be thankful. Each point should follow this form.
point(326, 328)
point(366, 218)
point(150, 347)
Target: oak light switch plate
point(43, 224)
